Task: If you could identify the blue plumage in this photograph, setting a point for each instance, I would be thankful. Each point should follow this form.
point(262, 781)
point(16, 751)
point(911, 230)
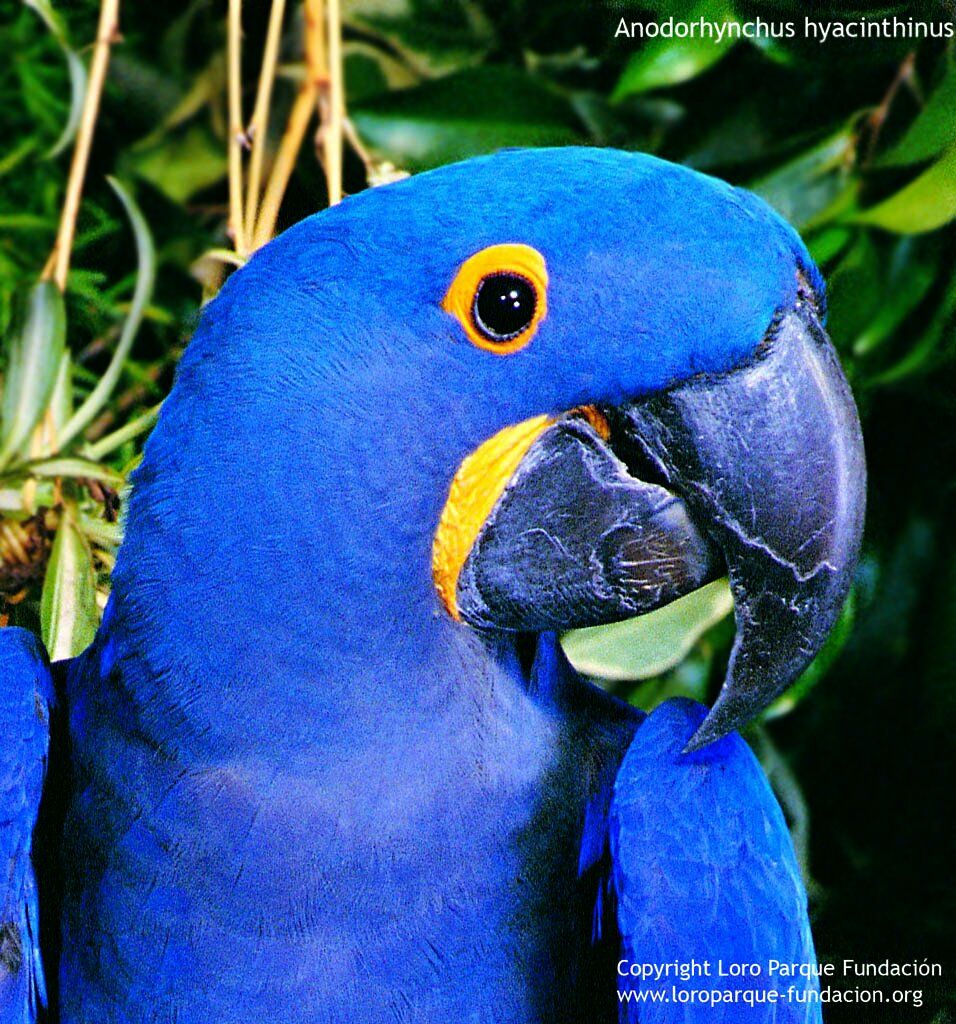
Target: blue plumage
point(704, 873)
point(26, 695)
point(301, 790)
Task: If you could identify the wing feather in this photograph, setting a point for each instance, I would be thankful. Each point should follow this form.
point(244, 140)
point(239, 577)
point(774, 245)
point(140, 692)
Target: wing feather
point(26, 696)
point(704, 874)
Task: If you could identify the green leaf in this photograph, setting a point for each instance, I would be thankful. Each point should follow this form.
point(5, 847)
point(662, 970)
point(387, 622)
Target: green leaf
point(50, 18)
point(68, 613)
point(855, 292)
point(182, 163)
point(829, 243)
point(35, 352)
point(145, 278)
point(463, 115)
point(651, 644)
point(816, 186)
point(78, 83)
point(933, 131)
point(925, 353)
point(670, 61)
point(911, 276)
point(76, 68)
point(432, 37)
point(76, 468)
point(925, 204)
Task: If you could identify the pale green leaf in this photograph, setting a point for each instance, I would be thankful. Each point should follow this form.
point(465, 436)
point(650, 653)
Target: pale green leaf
point(76, 68)
point(933, 131)
point(78, 81)
point(75, 468)
point(145, 278)
point(925, 204)
point(181, 163)
point(669, 61)
point(816, 186)
point(34, 356)
point(68, 613)
point(651, 644)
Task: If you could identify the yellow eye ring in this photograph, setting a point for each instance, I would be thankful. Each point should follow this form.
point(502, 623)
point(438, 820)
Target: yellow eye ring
point(499, 296)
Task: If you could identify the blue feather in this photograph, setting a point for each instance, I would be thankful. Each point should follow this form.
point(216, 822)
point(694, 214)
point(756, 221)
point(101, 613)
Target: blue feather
point(704, 872)
point(26, 697)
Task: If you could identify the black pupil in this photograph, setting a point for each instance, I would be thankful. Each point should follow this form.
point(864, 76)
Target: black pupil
point(504, 306)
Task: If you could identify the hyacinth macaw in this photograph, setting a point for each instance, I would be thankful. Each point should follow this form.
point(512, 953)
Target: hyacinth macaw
point(326, 758)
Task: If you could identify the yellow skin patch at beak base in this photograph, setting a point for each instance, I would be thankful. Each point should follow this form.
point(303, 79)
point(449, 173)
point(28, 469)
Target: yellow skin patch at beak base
point(479, 483)
point(477, 486)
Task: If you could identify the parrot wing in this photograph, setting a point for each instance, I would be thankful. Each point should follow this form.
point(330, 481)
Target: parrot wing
point(703, 873)
point(26, 697)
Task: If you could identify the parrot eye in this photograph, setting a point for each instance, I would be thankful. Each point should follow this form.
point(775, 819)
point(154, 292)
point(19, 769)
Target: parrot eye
point(499, 296)
point(504, 306)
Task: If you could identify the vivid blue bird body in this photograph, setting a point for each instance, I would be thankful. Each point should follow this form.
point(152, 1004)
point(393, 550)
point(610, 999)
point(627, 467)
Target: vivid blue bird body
point(305, 786)
point(26, 695)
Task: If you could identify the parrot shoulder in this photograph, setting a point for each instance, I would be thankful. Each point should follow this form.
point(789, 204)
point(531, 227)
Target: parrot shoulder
point(26, 699)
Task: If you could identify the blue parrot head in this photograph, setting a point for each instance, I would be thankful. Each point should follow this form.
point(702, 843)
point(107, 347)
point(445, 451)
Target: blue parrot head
point(531, 391)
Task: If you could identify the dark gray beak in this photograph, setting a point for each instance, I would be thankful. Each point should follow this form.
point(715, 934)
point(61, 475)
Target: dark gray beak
point(758, 473)
point(769, 461)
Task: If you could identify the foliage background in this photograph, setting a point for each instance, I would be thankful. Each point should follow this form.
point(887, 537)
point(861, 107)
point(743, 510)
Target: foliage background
point(855, 143)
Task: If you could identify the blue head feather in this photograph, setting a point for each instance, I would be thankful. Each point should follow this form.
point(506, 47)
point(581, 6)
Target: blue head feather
point(327, 399)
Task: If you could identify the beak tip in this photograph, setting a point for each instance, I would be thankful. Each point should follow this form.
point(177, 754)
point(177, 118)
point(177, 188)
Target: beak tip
point(718, 724)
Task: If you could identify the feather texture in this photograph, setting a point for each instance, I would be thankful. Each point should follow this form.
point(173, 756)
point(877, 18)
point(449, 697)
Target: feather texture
point(26, 696)
point(704, 873)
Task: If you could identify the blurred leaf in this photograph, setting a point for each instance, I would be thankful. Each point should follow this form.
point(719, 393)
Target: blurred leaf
point(16, 155)
point(821, 664)
point(816, 186)
point(61, 398)
point(370, 72)
point(181, 164)
point(463, 115)
point(51, 19)
point(912, 274)
point(664, 62)
point(933, 131)
point(34, 356)
point(206, 86)
point(433, 36)
point(77, 469)
point(829, 243)
point(651, 644)
point(77, 71)
point(854, 292)
point(77, 96)
point(926, 352)
point(925, 204)
point(145, 278)
point(68, 615)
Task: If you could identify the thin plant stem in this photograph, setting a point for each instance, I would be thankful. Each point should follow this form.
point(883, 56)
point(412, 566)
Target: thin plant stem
point(316, 80)
point(316, 52)
point(128, 432)
point(259, 125)
point(58, 266)
point(299, 118)
point(236, 135)
point(332, 137)
point(352, 137)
